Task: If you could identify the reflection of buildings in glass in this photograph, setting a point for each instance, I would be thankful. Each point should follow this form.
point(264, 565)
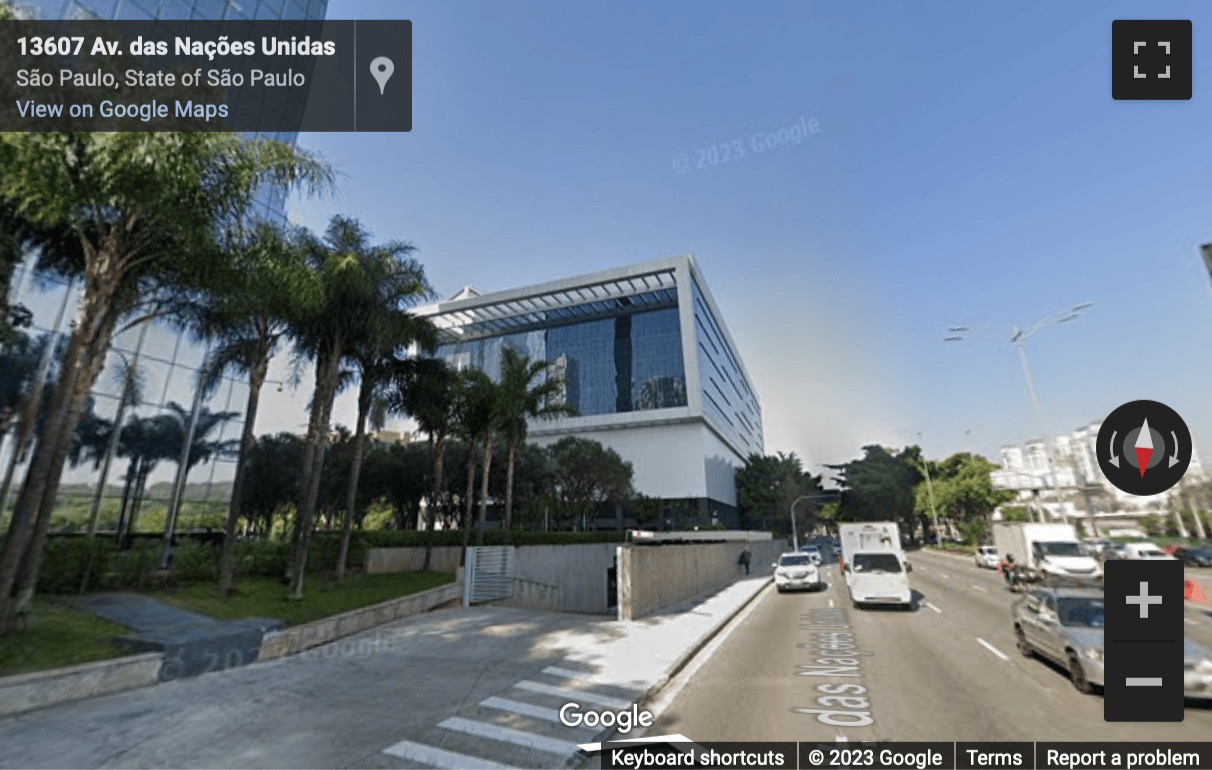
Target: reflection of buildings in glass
point(661, 393)
point(565, 371)
point(630, 343)
point(168, 359)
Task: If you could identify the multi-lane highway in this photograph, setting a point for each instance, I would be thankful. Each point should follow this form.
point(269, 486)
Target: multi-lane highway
point(949, 671)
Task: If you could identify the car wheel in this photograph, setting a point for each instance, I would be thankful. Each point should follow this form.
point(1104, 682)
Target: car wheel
point(782, 590)
point(1020, 640)
point(1078, 675)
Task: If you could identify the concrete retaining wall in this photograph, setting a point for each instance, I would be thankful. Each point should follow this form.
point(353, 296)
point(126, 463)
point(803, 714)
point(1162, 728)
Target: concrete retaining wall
point(654, 577)
point(563, 578)
point(45, 688)
point(442, 559)
point(295, 639)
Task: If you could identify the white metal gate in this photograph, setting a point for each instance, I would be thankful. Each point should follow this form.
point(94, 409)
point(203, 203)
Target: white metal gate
point(489, 574)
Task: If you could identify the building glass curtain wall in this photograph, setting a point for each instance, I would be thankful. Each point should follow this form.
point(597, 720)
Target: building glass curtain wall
point(648, 369)
point(166, 361)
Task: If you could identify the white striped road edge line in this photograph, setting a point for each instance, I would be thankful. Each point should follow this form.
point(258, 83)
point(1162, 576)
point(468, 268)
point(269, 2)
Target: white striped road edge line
point(992, 649)
point(448, 760)
point(579, 696)
point(509, 735)
point(527, 709)
point(931, 606)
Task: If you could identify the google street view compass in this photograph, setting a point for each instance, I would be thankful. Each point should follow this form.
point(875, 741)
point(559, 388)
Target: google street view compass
point(1144, 448)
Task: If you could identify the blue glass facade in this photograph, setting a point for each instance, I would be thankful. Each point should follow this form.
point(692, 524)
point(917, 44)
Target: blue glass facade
point(728, 397)
point(618, 363)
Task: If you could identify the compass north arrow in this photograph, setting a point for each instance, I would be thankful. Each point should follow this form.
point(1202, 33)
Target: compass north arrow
point(1114, 454)
point(1174, 457)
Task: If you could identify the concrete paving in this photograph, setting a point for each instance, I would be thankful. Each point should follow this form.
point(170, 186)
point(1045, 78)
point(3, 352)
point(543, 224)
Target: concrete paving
point(476, 687)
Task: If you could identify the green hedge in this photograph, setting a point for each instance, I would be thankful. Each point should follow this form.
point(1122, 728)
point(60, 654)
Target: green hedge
point(67, 558)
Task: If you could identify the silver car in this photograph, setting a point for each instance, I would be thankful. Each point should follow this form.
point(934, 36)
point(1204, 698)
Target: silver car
point(1065, 625)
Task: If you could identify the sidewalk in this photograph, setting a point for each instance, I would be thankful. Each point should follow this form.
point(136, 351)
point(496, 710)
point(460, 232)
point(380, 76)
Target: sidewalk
point(478, 687)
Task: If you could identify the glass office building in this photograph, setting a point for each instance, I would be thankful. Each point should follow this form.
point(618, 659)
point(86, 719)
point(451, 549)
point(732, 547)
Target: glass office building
point(647, 365)
point(166, 360)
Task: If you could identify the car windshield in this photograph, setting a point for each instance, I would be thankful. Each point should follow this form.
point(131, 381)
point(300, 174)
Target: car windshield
point(876, 562)
point(988, 549)
point(1061, 549)
point(1150, 554)
point(1083, 613)
point(794, 561)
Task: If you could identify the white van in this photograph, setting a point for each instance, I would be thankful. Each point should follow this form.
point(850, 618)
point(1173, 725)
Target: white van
point(874, 564)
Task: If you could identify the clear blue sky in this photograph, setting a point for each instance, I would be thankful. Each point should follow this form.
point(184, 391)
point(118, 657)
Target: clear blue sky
point(970, 167)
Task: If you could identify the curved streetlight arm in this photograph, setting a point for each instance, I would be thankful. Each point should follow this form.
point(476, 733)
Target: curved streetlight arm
point(795, 538)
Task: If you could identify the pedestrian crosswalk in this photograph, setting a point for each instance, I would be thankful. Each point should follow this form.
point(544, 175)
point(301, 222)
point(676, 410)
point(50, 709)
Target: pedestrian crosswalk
point(517, 728)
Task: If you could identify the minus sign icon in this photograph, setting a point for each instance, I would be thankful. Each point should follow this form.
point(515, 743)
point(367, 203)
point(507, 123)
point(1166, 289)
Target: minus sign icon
point(1143, 681)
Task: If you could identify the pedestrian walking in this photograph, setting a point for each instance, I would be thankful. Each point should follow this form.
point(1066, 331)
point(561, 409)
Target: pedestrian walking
point(744, 560)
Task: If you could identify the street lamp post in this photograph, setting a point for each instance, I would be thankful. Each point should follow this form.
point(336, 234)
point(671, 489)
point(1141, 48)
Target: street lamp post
point(1018, 337)
point(795, 538)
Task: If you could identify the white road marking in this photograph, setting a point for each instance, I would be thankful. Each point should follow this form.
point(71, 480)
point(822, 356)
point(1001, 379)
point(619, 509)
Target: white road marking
point(581, 696)
point(931, 606)
point(992, 649)
point(509, 735)
point(518, 707)
point(946, 575)
point(842, 738)
point(979, 588)
point(830, 602)
point(448, 760)
point(1190, 622)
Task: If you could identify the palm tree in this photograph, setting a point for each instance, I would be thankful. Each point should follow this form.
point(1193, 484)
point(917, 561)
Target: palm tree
point(245, 324)
point(524, 394)
point(473, 413)
point(355, 282)
point(374, 356)
point(144, 211)
point(425, 390)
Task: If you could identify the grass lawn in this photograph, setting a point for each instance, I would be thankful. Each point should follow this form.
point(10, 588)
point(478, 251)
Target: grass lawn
point(267, 597)
point(58, 635)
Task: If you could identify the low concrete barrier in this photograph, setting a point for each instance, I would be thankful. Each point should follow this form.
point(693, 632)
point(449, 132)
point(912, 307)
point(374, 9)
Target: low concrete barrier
point(441, 559)
point(290, 641)
point(653, 577)
point(25, 692)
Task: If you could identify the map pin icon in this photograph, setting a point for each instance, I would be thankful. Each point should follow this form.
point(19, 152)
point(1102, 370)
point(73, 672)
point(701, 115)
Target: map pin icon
point(381, 68)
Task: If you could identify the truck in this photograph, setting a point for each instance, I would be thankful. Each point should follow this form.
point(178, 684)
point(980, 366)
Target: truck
point(1046, 553)
point(874, 564)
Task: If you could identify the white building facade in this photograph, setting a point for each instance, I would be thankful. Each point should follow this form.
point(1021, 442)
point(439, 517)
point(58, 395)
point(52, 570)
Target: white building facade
point(648, 366)
point(1068, 483)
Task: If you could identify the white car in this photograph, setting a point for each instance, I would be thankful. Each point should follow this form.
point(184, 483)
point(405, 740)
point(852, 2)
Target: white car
point(986, 556)
point(794, 571)
point(1144, 551)
point(813, 553)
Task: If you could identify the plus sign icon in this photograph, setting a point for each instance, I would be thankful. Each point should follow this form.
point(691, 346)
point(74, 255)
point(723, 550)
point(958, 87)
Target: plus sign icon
point(1151, 59)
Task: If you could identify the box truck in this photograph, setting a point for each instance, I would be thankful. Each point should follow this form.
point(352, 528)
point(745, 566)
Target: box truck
point(874, 564)
point(1048, 553)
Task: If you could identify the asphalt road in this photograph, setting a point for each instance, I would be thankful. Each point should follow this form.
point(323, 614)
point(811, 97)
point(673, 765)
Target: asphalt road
point(949, 671)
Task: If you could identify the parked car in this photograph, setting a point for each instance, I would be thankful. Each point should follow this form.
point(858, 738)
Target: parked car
point(986, 556)
point(1065, 625)
point(1144, 551)
point(795, 571)
point(1195, 556)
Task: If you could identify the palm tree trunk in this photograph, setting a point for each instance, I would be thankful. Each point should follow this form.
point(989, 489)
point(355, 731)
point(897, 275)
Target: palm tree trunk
point(328, 371)
point(21, 554)
point(439, 496)
point(256, 380)
point(488, 441)
point(128, 490)
point(513, 452)
point(28, 581)
point(469, 501)
point(355, 470)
